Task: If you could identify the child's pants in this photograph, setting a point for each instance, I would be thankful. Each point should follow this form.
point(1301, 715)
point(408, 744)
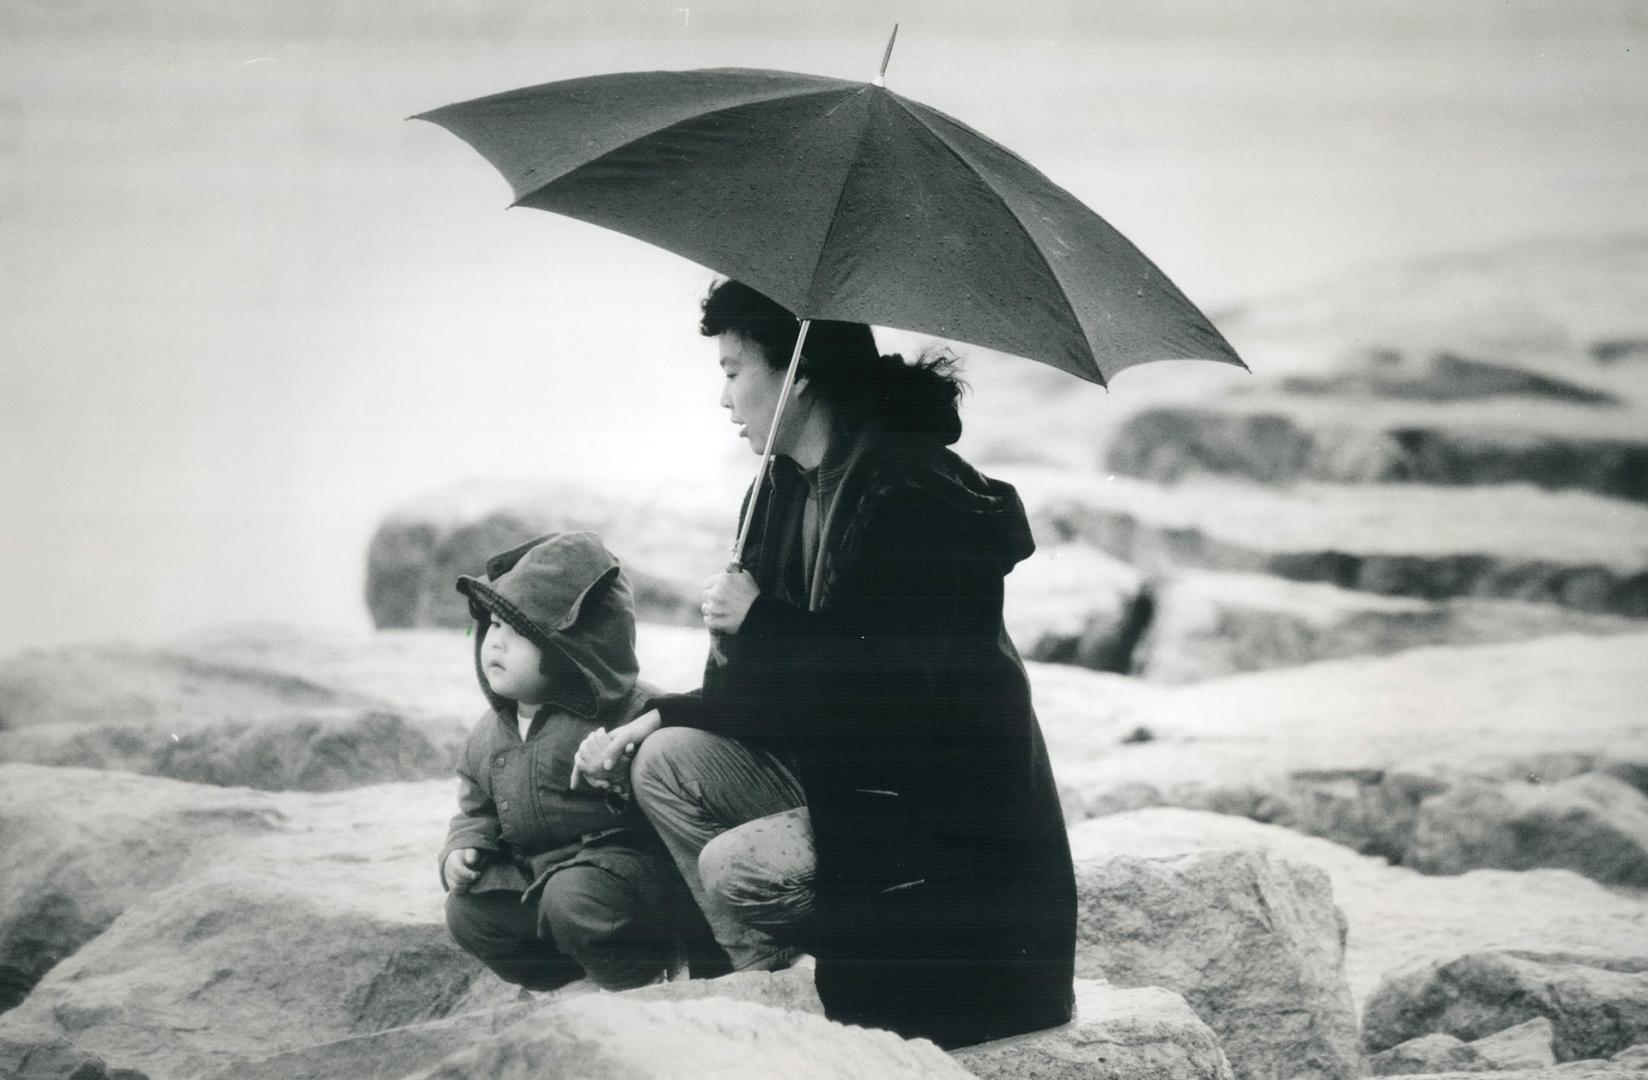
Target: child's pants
point(620, 922)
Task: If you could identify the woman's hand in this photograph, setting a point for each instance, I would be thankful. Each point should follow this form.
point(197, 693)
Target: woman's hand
point(727, 599)
point(604, 756)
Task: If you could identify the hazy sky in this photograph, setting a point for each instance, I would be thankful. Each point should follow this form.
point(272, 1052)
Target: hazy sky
point(245, 307)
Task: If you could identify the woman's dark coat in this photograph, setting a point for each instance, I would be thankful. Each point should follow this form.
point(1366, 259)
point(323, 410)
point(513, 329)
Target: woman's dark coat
point(946, 894)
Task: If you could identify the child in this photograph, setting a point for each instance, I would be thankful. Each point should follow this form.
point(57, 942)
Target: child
point(546, 881)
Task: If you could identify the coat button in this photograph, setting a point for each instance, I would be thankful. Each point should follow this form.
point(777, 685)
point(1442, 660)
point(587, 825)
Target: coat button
point(504, 805)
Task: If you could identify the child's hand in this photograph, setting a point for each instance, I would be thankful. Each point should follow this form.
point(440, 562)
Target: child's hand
point(461, 868)
point(591, 762)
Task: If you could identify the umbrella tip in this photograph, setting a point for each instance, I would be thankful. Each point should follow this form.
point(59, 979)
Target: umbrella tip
point(881, 79)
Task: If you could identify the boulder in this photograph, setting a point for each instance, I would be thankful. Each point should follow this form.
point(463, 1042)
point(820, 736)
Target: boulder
point(668, 536)
point(611, 1035)
point(1525, 1046)
point(1529, 1045)
point(1432, 1053)
point(1140, 1034)
point(1205, 624)
point(1070, 604)
point(56, 1059)
point(1290, 736)
point(1573, 1070)
point(1255, 946)
point(158, 901)
point(1635, 1056)
point(1397, 917)
point(1288, 438)
point(1594, 824)
point(1597, 1004)
point(1573, 549)
point(246, 960)
point(187, 715)
point(1514, 813)
point(78, 846)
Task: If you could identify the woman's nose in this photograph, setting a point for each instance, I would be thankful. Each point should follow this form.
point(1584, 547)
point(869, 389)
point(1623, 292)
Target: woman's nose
point(726, 397)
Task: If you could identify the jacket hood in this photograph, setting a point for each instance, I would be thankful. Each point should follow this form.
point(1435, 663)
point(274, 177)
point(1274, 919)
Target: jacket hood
point(566, 593)
point(986, 510)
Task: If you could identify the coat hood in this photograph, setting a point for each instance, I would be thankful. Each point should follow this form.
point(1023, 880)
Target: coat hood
point(987, 513)
point(566, 593)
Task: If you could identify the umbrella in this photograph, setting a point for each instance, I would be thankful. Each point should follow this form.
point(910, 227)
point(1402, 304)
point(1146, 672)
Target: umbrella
point(841, 200)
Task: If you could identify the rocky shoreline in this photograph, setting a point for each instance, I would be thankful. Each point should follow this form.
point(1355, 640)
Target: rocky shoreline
point(1340, 667)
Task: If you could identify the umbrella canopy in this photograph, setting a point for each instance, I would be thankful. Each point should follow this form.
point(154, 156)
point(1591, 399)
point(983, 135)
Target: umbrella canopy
point(841, 200)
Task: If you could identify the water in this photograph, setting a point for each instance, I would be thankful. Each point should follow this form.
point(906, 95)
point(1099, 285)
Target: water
point(247, 309)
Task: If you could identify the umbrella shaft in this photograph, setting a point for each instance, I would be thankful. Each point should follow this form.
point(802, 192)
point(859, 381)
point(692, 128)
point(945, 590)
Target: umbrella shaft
point(767, 453)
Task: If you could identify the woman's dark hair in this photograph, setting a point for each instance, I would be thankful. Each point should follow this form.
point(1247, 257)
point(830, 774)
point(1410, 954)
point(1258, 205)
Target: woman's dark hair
point(843, 367)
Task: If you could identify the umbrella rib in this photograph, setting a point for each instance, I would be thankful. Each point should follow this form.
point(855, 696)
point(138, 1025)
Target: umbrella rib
point(835, 211)
point(1064, 297)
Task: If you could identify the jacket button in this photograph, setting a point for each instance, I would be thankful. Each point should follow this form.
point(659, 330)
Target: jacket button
point(504, 805)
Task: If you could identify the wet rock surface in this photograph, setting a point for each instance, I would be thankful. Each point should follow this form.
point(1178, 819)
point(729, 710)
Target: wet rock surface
point(1596, 1003)
point(1255, 945)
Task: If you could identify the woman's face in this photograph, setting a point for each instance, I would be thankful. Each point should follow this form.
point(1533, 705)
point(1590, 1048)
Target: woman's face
point(750, 389)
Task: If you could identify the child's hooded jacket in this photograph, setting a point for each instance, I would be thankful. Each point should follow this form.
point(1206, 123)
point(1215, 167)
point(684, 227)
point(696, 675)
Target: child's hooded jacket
point(566, 593)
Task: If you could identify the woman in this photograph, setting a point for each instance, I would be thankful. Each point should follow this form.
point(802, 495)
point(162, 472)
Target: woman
point(862, 774)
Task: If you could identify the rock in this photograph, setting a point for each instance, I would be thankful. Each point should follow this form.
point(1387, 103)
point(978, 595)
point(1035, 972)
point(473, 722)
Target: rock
point(1570, 548)
point(1433, 1053)
point(78, 846)
point(1140, 1034)
point(166, 712)
point(1397, 917)
point(1525, 1046)
point(186, 980)
point(1071, 604)
point(1206, 624)
point(1597, 1004)
point(1635, 1056)
point(611, 1035)
point(1256, 729)
point(1528, 1045)
point(56, 1059)
point(1594, 824)
point(381, 1055)
point(1444, 376)
point(668, 536)
point(1573, 1070)
point(1255, 946)
point(185, 887)
point(1285, 439)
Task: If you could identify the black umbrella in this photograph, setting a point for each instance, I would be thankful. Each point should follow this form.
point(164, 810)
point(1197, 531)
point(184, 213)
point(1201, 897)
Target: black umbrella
point(841, 200)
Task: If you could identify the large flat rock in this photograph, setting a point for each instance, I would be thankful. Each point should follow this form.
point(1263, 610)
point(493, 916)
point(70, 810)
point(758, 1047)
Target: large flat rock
point(1396, 916)
point(610, 1035)
point(1285, 439)
point(1204, 624)
point(1145, 1033)
point(1422, 707)
point(1514, 542)
point(1596, 1004)
point(193, 926)
point(190, 712)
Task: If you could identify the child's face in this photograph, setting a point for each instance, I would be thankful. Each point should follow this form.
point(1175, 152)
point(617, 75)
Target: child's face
point(511, 664)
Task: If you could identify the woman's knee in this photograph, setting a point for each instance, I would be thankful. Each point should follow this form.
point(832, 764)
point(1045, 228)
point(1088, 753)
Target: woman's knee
point(763, 871)
point(658, 760)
